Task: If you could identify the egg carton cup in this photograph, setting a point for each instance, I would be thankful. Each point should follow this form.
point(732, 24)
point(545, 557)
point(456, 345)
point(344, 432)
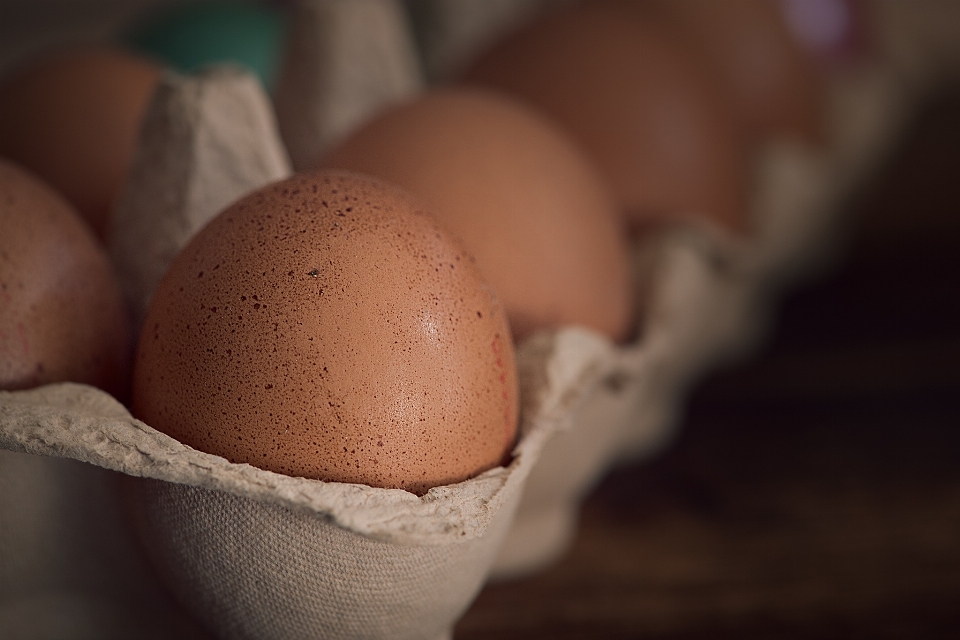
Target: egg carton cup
point(256, 554)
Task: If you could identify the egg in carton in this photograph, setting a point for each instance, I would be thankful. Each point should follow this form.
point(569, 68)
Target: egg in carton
point(249, 552)
point(705, 295)
point(705, 298)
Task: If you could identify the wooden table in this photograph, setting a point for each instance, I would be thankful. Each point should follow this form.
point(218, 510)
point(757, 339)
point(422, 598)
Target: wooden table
point(815, 490)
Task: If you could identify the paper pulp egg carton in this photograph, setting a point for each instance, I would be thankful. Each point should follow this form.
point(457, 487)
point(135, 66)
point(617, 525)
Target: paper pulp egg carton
point(255, 554)
point(247, 552)
point(705, 296)
point(250, 553)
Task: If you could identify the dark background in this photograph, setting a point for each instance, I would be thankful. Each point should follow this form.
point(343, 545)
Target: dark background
point(815, 489)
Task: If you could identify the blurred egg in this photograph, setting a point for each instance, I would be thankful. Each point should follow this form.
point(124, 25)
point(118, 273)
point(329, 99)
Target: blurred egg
point(521, 197)
point(324, 327)
point(61, 314)
point(73, 117)
point(747, 44)
point(635, 101)
point(189, 36)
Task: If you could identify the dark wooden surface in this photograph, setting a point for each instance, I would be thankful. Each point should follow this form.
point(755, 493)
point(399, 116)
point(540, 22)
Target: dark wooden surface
point(815, 489)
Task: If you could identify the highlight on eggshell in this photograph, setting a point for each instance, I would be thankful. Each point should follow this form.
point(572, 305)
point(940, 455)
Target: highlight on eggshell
point(748, 46)
point(520, 195)
point(61, 314)
point(637, 103)
point(326, 327)
point(73, 117)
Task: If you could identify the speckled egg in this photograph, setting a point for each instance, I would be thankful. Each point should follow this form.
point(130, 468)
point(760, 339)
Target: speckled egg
point(520, 195)
point(61, 314)
point(325, 327)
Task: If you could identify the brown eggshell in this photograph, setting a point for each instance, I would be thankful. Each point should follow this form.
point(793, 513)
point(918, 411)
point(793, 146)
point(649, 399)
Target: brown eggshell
point(523, 199)
point(636, 102)
point(73, 118)
point(763, 69)
point(324, 327)
point(61, 313)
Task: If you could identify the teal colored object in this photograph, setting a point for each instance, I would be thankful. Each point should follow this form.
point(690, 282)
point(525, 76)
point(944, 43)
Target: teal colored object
point(191, 36)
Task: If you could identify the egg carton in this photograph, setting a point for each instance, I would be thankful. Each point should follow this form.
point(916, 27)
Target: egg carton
point(251, 553)
point(260, 555)
point(706, 296)
point(248, 552)
point(708, 300)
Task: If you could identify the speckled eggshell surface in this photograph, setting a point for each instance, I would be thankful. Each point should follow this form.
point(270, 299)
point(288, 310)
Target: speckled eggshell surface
point(325, 327)
point(61, 313)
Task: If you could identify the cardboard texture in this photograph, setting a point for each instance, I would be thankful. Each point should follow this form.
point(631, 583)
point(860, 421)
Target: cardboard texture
point(255, 554)
point(69, 566)
point(346, 60)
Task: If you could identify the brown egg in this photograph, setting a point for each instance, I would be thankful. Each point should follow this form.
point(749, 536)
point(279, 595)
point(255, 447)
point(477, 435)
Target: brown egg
point(519, 195)
point(767, 76)
point(61, 314)
point(325, 327)
point(73, 118)
point(636, 102)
